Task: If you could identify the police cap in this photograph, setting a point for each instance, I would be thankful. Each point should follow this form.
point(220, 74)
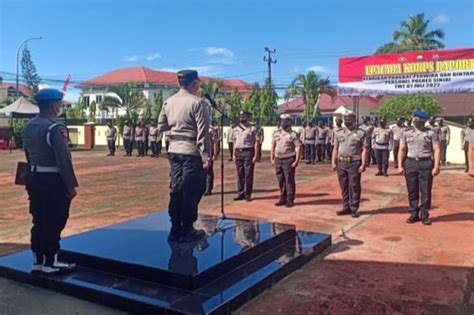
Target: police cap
point(245, 113)
point(349, 113)
point(400, 118)
point(285, 116)
point(48, 95)
point(186, 77)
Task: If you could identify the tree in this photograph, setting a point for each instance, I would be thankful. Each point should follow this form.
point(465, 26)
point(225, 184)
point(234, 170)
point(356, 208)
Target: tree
point(92, 111)
point(405, 105)
point(126, 96)
point(77, 111)
point(268, 106)
point(235, 103)
point(28, 70)
point(212, 88)
point(308, 87)
point(157, 104)
point(252, 104)
point(414, 35)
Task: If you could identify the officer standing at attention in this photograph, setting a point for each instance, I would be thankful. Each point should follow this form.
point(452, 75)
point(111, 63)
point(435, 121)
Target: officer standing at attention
point(127, 138)
point(382, 142)
point(419, 167)
point(261, 138)
point(350, 151)
point(214, 136)
point(230, 141)
point(152, 138)
point(330, 144)
point(321, 141)
point(245, 155)
point(397, 131)
point(432, 123)
point(310, 135)
point(444, 138)
point(368, 129)
point(186, 117)
point(301, 134)
point(111, 135)
point(467, 134)
point(140, 139)
point(285, 155)
point(52, 184)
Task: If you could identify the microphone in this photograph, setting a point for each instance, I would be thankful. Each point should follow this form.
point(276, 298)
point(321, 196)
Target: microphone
point(213, 103)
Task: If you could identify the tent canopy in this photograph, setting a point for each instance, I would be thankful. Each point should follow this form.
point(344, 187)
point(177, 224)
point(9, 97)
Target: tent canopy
point(340, 111)
point(21, 108)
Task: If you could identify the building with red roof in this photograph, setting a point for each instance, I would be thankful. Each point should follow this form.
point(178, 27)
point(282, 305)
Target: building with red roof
point(8, 89)
point(150, 81)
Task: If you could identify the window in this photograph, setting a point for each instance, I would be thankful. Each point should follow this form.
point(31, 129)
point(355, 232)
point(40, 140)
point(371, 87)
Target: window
point(98, 98)
point(86, 101)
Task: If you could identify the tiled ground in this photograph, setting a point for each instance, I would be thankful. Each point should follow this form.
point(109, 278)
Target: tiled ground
point(378, 265)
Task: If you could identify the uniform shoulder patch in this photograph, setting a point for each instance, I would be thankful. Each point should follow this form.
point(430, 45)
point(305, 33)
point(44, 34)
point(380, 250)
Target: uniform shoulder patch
point(63, 132)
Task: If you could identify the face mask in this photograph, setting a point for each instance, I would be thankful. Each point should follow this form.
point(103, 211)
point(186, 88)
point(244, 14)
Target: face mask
point(286, 125)
point(419, 124)
point(349, 124)
point(383, 125)
point(244, 120)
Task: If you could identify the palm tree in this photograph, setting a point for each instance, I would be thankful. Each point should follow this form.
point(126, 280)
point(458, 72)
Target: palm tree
point(127, 96)
point(213, 89)
point(414, 35)
point(308, 87)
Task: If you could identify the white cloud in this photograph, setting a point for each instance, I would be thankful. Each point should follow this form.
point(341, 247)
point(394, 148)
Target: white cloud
point(131, 58)
point(318, 69)
point(207, 70)
point(442, 19)
point(219, 51)
point(153, 56)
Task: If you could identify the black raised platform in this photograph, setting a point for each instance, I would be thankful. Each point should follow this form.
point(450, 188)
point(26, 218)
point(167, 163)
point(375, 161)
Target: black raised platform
point(131, 266)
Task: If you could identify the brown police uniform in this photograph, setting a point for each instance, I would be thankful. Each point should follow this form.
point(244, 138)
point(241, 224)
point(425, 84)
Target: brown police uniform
point(245, 139)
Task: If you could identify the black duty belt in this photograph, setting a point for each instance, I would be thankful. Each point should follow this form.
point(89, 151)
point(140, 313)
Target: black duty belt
point(427, 158)
point(244, 149)
point(181, 138)
point(378, 143)
point(347, 159)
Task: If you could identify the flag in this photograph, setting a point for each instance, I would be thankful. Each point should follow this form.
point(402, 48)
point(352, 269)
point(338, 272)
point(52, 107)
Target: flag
point(66, 83)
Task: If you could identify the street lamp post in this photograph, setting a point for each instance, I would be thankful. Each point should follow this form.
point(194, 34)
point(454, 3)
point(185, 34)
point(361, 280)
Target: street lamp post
point(18, 56)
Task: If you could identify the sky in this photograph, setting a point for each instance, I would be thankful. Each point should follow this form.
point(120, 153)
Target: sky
point(218, 38)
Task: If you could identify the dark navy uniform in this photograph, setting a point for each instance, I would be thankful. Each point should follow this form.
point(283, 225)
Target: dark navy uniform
point(421, 144)
point(285, 155)
point(245, 155)
point(350, 146)
point(186, 117)
point(52, 183)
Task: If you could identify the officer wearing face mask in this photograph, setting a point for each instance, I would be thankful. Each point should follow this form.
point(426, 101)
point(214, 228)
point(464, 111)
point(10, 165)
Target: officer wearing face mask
point(421, 145)
point(52, 184)
point(444, 134)
point(369, 129)
point(350, 151)
point(382, 142)
point(467, 137)
point(397, 135)
point(285, 155)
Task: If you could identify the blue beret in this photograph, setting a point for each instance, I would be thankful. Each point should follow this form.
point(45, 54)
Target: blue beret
point(48, 95)
point(420, 114)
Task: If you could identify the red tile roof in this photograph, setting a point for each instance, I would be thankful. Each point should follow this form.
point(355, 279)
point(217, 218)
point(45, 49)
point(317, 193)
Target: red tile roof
point(23, 88)
point(143, 74)
point(328, 104)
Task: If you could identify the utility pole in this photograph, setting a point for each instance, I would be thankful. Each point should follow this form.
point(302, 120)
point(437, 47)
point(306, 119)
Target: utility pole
point(268, 58)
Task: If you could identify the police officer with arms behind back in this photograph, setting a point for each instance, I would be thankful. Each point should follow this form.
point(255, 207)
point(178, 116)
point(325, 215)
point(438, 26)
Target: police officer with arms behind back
point(351, 146)
point(382, 143)
point(421, 145)
point(52, 184)
point(186, 117)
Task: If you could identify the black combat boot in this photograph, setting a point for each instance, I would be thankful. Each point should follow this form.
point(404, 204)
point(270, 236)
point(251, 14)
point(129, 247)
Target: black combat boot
point(280, 202)
point(425, 218)
point(413, 218)
point(343, 212)
point(175, 232)
point(190, 234)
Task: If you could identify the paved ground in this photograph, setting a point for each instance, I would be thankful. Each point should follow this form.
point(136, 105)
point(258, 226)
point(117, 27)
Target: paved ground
point(378, 264)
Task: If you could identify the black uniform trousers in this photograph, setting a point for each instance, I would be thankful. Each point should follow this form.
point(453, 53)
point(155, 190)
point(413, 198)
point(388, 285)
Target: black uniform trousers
point(419, 178)
point(286, 178)
point(310, 152)
point(154, 148)
point(443, 144)
point(382, 159)
point(188, 181)
point(128, 145)
point(259, 156)
point(231, 150)
point(349, 181)
point(466, 154)
point(111, 146)
point(329, 148)
point(321, 148)
point(49, 207)
point(396, 148)
point(141, 147)
point(210, 178)
point(245, 169)
point(303, 151)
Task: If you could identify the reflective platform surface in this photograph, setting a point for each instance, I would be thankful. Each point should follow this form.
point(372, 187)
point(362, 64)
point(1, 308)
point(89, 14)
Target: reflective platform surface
point(132, 266)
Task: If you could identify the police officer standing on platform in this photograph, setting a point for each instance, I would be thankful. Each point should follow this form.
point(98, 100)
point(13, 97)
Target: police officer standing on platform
point(186, 117)
point(310, 135)
point(382, 143)
point(127, 138)
point(397, 135)
point(285, 154)
point(245, 155)
point(421, 145)
point(111, 135)
point(52, 184)
point(467, 134)
point(350, 151)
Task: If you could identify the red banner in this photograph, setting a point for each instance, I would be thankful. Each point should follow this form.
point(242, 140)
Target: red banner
point(434, 71)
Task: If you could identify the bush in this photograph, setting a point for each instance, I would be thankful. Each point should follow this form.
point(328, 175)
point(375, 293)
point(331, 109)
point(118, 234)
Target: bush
point(405, 105)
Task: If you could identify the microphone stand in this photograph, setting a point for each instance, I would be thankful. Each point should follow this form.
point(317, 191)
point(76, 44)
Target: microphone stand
point(222, 216)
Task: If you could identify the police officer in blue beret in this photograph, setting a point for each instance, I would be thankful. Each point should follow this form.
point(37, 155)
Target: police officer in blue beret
point(419, 159)
point(52, 184)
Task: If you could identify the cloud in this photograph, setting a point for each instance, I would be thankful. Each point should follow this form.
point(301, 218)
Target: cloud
point(152, 57)
point(318, 69)
point(443, 18)
point(219, 51)
point(131, 58)
point(206, 70)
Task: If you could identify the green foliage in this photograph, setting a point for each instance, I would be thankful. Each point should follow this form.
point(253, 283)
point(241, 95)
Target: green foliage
point(17, 126)
point(157, 105)
point(414, 35)
point(405, 105)
point(268, 106)
point(126, 96)
point(92, 112)
point(235, 103)
point(252, 104)
point(212, 87)
point(120, 123)
point(77, 111)
point(28, 70)
point(308, 87)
